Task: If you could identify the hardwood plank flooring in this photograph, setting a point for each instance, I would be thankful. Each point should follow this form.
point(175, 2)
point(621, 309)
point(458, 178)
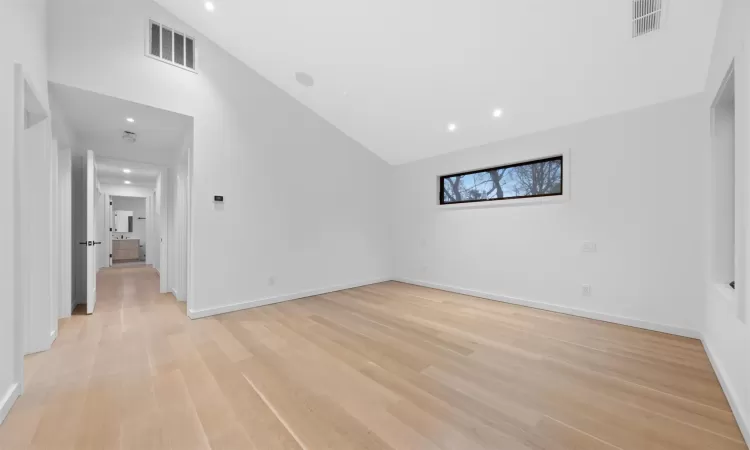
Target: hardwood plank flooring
point(386, 366)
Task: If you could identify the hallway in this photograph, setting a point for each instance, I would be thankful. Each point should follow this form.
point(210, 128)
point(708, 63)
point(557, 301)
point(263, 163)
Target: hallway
point(382, 366)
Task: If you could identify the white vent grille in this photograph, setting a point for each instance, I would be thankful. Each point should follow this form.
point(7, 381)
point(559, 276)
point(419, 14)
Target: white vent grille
point(170, 46)
point(647, 16)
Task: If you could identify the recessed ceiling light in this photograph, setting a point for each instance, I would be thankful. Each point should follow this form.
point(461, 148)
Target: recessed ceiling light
point(127, 182)
point(210, 6)
point(130, 119)
point(126, 170)
point(497, 113)
point(451, 127)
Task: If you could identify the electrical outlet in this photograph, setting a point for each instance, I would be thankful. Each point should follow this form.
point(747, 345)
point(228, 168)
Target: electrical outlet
point(589, 247)
point(586, 290)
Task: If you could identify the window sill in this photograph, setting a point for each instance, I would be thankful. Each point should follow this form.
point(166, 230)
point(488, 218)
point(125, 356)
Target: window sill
point(514, 202)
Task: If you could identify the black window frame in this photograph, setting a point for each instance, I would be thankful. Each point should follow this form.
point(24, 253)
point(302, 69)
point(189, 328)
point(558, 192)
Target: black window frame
point(504, 166)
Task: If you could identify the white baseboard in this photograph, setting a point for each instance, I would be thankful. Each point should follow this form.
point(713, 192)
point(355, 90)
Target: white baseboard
point(743, 419)
point(8, 400)
point(621, 320)
point(197, 314)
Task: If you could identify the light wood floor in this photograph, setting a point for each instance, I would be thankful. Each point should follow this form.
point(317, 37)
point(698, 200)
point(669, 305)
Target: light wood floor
point(384, 366)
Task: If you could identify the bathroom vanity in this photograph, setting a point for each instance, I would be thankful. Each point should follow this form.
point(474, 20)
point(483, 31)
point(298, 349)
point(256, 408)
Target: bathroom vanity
point(126, 250)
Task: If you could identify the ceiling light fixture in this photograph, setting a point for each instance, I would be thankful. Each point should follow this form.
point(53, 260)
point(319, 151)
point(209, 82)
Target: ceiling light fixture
point(126, 170)
point(127, 182)
point(130, 119)
point(210, 6)
point(451, 127)
point(497, 113)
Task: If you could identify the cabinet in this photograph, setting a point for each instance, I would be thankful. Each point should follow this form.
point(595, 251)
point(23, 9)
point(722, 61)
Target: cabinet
point(126, 250)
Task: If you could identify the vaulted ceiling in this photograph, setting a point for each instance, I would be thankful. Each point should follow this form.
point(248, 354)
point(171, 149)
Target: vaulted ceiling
point(393, 74)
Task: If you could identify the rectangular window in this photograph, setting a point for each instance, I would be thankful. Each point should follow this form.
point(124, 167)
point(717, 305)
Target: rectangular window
point(170, 46)
point(179, 49)
point(155, 47)
point(189, 53)
point(540, 178)
point(166, 44)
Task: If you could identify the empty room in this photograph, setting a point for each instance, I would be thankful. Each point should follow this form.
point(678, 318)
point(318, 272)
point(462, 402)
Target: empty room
point(391, 224)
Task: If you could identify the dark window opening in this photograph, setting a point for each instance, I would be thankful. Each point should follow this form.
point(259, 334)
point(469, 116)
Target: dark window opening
point(155, 40)
point(189, 53)
point(166, 44)
point(179, 49)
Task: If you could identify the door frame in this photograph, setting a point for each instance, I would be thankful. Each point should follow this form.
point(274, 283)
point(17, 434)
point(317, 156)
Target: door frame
point(91, 222)
point(22, 85)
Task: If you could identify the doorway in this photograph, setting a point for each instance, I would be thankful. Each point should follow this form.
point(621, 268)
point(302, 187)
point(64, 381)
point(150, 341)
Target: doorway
point(35, 307)
point(724, 188)
point(128, 232)
point(141, 161)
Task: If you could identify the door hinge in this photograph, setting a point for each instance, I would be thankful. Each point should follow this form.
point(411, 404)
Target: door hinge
point(110, 229)
point(110, 255)
point(110, 203)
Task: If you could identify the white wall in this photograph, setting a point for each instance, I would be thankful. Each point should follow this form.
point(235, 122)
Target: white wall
point(126, 191)
point(138, 206)
point(25, 18)
point(65, 232)
point(632, 192)
point(178, 222)
point(35, 281)
point(726, 336)
point(304, 203)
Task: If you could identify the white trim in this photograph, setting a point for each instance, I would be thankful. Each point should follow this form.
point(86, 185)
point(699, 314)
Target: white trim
point(742, 419)
point(562, 198)
point(197, 314)
point(621, 320)
point(10, 397)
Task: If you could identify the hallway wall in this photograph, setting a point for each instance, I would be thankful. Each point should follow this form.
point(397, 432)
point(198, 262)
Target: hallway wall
point(726, 330)
point(304, 206)
point(17, 18)
point(178, 180)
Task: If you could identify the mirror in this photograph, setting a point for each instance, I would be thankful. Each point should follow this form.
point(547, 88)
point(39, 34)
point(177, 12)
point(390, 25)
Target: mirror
point(123, 222)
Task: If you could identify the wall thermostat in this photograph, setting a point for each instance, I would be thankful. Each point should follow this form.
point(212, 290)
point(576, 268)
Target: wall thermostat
point(218, 199)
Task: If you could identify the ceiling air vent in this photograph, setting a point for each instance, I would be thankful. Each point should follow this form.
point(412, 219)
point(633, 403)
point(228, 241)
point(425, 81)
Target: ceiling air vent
point(170, 46)
point(647, 16)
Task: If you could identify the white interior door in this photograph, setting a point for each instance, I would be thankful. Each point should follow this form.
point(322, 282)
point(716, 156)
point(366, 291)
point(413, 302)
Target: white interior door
point(91, 242)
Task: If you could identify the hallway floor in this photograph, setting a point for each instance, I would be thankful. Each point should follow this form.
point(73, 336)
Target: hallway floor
point(384, 366)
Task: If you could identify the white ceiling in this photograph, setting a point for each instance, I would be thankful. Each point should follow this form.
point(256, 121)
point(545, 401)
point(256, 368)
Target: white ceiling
point(393, 73)
point(97, 123)
point(111, 171)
